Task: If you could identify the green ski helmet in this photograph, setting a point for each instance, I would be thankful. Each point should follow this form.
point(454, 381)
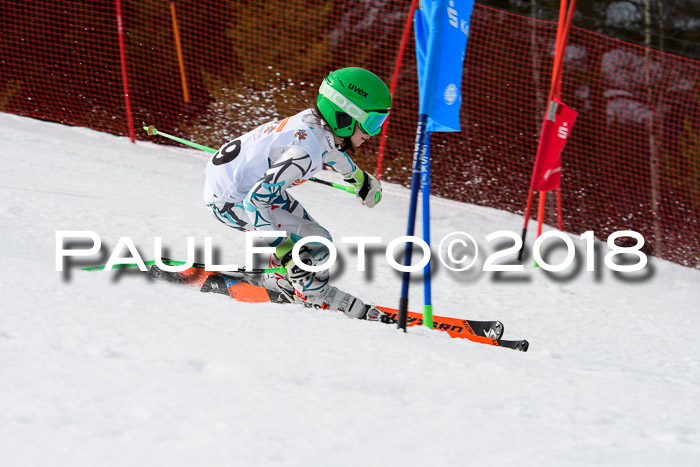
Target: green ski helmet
point(350, 95)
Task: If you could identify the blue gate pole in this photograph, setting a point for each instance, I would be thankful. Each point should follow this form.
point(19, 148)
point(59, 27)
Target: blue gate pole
point(425, 194)
point(419, 150)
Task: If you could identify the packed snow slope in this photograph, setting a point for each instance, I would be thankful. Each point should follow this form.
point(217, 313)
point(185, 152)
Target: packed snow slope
point(113, 369)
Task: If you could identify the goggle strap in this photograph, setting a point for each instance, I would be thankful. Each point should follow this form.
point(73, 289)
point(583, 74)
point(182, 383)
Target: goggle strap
point(343, 102)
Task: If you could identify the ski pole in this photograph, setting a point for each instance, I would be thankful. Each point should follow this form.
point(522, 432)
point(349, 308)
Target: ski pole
point(339, 186)
point(172, 262)
point(152, 130)
point(279, 269)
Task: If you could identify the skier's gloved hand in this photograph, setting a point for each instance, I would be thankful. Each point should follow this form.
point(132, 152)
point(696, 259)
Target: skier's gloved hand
point(367, 187)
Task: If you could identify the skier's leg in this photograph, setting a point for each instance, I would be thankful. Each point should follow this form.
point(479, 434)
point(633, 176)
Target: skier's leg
point(290, 216)
point(313, 289)
point(310, 288)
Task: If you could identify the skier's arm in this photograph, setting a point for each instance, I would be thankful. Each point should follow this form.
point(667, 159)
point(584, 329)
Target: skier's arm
point(294, 164)
point(367, 187)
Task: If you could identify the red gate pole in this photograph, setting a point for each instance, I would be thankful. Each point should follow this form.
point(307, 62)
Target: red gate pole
point(560, 53)
point(560, 222)
point(392, 86)
point(563, 27)
point(125, 81)
point(552, 87)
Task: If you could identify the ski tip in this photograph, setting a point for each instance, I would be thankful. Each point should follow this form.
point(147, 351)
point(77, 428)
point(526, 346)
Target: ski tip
point(521, 345)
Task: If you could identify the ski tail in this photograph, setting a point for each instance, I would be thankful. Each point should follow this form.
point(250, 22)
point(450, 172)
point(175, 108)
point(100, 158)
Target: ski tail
point(209, 281)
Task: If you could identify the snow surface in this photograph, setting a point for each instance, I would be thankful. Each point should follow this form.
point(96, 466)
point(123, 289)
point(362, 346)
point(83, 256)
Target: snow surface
point(113, 369)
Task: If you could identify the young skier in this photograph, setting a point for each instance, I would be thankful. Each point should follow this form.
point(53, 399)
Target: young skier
point(247, 181)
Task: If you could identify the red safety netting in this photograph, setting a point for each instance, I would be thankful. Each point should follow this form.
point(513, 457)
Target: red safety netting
point(632, 161)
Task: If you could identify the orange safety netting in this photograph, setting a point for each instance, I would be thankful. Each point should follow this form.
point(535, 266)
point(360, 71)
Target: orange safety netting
point(632, 161)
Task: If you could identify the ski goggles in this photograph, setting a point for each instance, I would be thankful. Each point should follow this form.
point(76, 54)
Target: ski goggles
point(374, 121)
point(370, 122)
